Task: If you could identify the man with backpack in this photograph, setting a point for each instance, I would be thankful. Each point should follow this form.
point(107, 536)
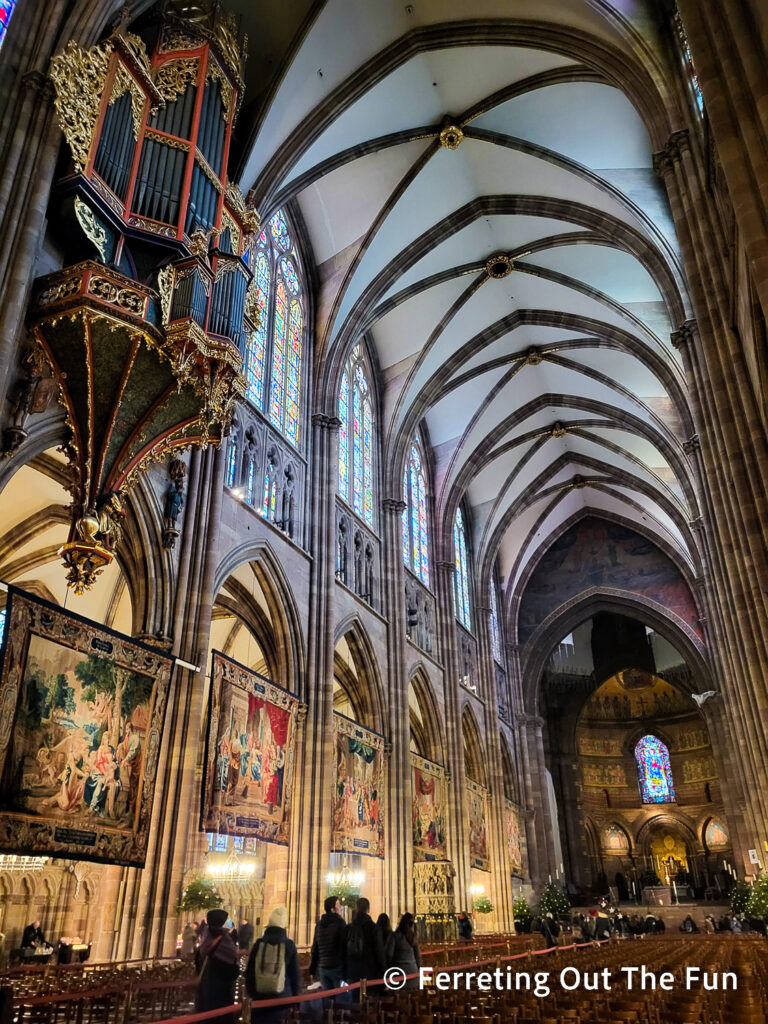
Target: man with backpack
point(329, 946)
point(365, 947)
point(273, 969)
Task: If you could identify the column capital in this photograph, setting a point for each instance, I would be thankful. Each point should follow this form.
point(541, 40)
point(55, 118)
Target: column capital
point(39, 84)
point(302, 711)
point(328, 422)
point(446, 566)
point(693, 444)
point(665, 159)
point(393, 505)
point(684, 334)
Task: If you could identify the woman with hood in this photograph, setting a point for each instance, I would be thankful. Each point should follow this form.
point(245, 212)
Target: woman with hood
point(218, 966)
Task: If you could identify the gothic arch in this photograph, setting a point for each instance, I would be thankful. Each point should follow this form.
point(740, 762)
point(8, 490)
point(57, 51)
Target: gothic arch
point(474, 753)
point(564, 619)
point(433, 738)
point(364, 685)
point(508, 773)
point(289, 650)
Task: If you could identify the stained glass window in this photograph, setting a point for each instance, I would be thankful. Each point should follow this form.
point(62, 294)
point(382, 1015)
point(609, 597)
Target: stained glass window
point(461, 576)
point(495, 630)
point(415, 533)
point(6, 10)
point(291, 426)
point(249, 483)
point(356, 436)
point(274, 352)
point(231, 462)
point(654, 772)
point(279, 231)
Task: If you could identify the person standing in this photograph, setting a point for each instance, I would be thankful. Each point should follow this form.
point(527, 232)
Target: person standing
point(406, 953)
point(465, 927)
point(329, 946)
point(245, 935)
point(188, 941)
point(387, 937)
point(365, 949)
point(218, 966)
point(273, 969)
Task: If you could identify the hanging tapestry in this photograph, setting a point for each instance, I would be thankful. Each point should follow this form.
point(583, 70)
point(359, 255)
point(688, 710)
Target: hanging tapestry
point(429, 810)
point(249, 754)
point(358, 820)
point(512, 829)
point(81, 716)
point(478, 829)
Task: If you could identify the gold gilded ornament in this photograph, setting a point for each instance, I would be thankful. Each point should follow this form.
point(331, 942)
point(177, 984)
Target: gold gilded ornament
point(174, 76)
point(93, 230)
point(451, 136)
point(79, 76)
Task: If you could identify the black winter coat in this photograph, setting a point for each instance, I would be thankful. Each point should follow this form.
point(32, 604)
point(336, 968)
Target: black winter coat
point(329, 946)
point(365, 950)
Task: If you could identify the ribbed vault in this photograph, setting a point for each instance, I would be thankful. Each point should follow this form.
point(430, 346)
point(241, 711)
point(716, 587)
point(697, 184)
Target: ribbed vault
point(545, 391)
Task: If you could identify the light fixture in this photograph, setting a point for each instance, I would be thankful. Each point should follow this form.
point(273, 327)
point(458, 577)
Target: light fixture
point(477, 890)
point(231, 868)
point(238, 493)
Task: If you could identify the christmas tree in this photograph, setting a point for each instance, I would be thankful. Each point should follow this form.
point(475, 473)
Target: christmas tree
point(758, 899)
point(740, 896)
point(554, 901)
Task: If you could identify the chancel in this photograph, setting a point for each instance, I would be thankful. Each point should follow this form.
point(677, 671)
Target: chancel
point(383, 505)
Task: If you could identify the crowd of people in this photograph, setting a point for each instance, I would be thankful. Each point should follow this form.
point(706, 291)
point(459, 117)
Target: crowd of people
point(601, 924)
point(341, 955)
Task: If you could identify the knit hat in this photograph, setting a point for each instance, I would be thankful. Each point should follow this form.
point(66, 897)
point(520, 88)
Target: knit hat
point(216, 918)
point(279, 917)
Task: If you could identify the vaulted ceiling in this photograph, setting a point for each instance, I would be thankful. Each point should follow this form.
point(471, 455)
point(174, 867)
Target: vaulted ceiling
point(549, 391)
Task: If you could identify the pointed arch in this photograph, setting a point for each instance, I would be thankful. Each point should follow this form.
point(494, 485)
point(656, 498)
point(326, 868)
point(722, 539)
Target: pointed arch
point(461, 603)
point(474, 754)
point(357, 436)
point(426, 718)
point(415, 525)
point(508, 772)
point(359, 673)
point(282, 622)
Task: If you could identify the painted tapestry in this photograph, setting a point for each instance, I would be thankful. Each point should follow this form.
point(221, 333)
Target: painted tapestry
point(512, 830)
point(429, 810)
point(358, 821)
point(249, 754)
point(81, 717)
point(478, 827)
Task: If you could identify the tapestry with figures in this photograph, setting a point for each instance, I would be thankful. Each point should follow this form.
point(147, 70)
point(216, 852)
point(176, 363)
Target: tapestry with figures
point(429, 810)
point(478, 826)
point(81, 718)
point(249, 754)
point(358, 819)
point(512, 831)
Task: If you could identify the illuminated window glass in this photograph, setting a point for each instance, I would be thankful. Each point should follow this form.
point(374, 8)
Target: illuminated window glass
point(654, 772)
point(6, 10)
point(495, 630)
point(249, 483)
point(415, 531)
point(690, 70)
point(273, 358)
point(461, 576)
point(231, 462)
point(356, 436)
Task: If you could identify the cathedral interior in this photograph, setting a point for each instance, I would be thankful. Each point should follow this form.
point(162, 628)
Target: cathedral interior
point(384, 491)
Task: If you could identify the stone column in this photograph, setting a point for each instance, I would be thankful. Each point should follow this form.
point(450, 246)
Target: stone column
point(315, 763)
point(399, 827)
point(458, 831)
point(175, 841)
point(502, 888)
point(545, 863)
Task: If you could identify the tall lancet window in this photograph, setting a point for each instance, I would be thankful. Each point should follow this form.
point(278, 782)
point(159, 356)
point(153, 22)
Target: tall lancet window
point(415, 532)
point(494, 624)
point(6, 10)
point(461, 576)
point(654, 772)
point(356, 437)
point(273, 361)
